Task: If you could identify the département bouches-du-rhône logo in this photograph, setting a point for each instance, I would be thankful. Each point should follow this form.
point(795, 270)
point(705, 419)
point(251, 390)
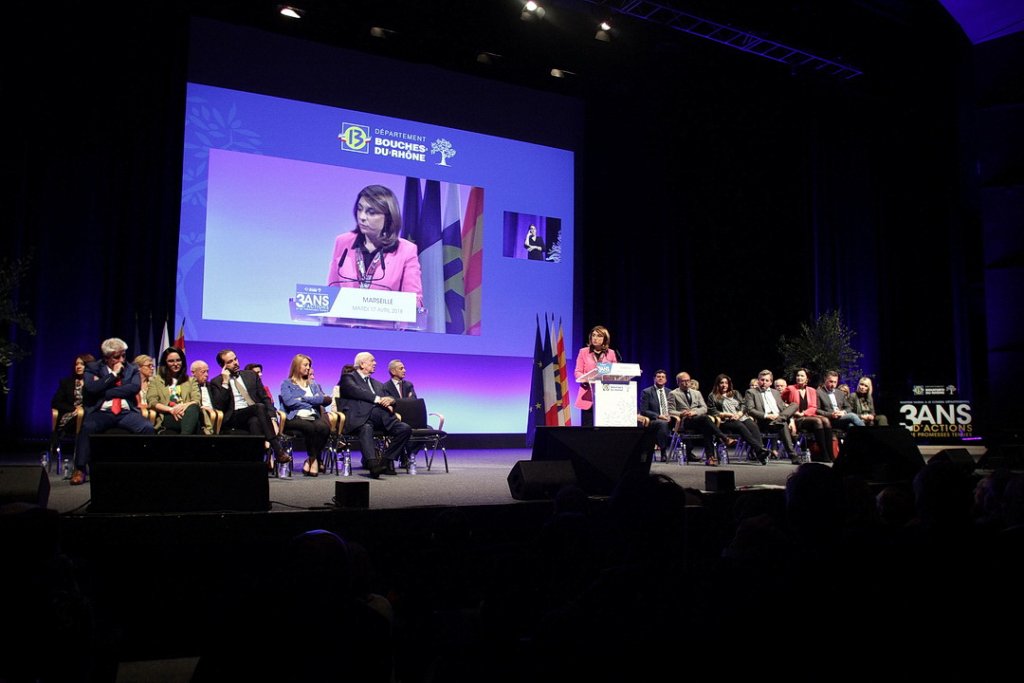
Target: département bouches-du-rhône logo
point(355, 138)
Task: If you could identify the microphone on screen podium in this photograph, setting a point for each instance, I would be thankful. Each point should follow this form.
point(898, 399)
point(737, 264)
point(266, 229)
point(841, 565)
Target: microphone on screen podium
point(345, 278)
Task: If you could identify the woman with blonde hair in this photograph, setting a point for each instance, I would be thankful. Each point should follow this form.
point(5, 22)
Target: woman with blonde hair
point(304, 400)
point(862, 402)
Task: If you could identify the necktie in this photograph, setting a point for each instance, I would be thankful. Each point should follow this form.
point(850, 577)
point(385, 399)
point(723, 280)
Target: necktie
point(662, 405)
point(370, 386)
point(687, 395)
point(115, 406)
point(240, 386)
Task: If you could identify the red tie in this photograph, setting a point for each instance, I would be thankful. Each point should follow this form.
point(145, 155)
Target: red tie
point(115, 407)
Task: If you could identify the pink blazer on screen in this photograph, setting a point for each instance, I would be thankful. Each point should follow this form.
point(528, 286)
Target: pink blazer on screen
point(400, 273)
point(585, 362)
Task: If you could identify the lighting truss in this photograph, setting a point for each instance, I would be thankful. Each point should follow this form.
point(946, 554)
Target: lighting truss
point(744, 41)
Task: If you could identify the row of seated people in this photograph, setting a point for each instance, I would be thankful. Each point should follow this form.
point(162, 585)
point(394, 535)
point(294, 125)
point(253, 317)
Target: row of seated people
point(141, 398)
point(763, 408)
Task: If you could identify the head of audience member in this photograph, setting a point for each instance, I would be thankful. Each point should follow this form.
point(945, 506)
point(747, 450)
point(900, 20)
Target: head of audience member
point(801, 377)
point(319, 553)
point(830, 380)
point(301, 369)
point(695, 385)
point(845, 388)
point(396, 369)
point(201, 371)
point(345, 369)
point(80, 362)
point(114, 351)
point(377, 215)
point(660, 378)
point(146, 366)
point(600, 339)
point(943, 495)
point(779, 385)
point(365, 363)
point(228, 360)
point(683, 380)
point(754, 383)
point(865, 388)
point(255, 367)
point(172, 366)
point(814, 504)
point(764, 380)
point(895, 506)
point(723, 385)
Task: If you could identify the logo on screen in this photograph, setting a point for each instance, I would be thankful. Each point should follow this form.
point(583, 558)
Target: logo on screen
point(355, 138)
point(444, 148)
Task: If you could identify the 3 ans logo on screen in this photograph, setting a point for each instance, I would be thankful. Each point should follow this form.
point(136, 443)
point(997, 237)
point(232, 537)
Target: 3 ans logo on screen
point(355, 138)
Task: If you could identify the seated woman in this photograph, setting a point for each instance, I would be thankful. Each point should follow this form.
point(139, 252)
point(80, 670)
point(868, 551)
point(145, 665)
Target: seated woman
point(173, 397)
point(304, 401)
point(146, 369)
point(726, 404)
point(67, 400)
point(806, 417)
point(862, 403)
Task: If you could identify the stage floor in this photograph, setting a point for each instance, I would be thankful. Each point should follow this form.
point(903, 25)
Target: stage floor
point(476, 477)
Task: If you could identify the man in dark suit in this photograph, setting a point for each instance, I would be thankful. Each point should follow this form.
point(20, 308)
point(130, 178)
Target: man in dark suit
point(765, 404)
point(110, 398)
point(397, 386)
point(239, 394)
point(654, 406)
point(368, 409)
point(836, 404)
point(689, 408)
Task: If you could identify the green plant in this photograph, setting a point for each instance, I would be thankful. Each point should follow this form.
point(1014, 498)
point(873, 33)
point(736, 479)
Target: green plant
point(823, 344)
point(12, 271)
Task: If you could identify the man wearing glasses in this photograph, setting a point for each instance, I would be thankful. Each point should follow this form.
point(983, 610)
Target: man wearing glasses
point(110, 396)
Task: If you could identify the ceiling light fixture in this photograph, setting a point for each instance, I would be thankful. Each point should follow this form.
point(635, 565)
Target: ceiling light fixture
point(291, 12)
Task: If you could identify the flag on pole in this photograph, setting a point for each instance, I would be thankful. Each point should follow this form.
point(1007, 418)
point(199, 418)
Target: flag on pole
point(535, 414)
point(150, 344)
point(473, 258)
point(565, 414)
point(137, 341)
point(551, 406)
point(451, 243)
point(428, 240)
point(165, 339)
point(179, 341)
point(411, 209)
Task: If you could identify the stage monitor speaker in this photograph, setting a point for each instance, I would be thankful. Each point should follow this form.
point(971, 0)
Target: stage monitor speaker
point(1003, 456)
point(958, 456)
point(600, 456)
point(352, 494)
point(879, 454)
point(533, 480)
point(139, 474)
point(24, 484)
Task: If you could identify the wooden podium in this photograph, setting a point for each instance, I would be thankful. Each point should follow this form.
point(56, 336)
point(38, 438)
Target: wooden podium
point(614, 389)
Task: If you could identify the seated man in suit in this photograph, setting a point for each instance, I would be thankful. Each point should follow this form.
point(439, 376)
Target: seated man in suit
point(240, 395)
point(366, 410)
point(397, 386)
point(689, 407)
point(110, 398)
point(835, 404)
point(654, 406)
point(764, 403)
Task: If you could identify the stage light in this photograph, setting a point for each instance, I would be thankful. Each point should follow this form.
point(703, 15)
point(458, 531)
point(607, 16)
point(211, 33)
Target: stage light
point(561, 73)
point(605, 26)
point(381, 32)
point(290, 11)
point(531, 11)
point(487, 58)
point(603, 36)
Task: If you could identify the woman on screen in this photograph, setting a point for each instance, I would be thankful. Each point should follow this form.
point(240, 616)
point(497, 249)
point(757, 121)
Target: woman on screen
point(586, 360)
point(534, 247)
point(372, 255)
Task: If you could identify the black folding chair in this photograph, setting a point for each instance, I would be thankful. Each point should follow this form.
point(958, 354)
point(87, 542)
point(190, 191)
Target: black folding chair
point(424, 437)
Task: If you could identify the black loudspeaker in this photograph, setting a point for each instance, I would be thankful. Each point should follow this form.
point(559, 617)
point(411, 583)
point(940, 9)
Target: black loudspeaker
point(960, 457)
point(1003, 456)
point(24, 484)
point(719, 480)
point(533, 480)
point(600, 456)
point(352, 494)
point(135, 473)
point(879, 454)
